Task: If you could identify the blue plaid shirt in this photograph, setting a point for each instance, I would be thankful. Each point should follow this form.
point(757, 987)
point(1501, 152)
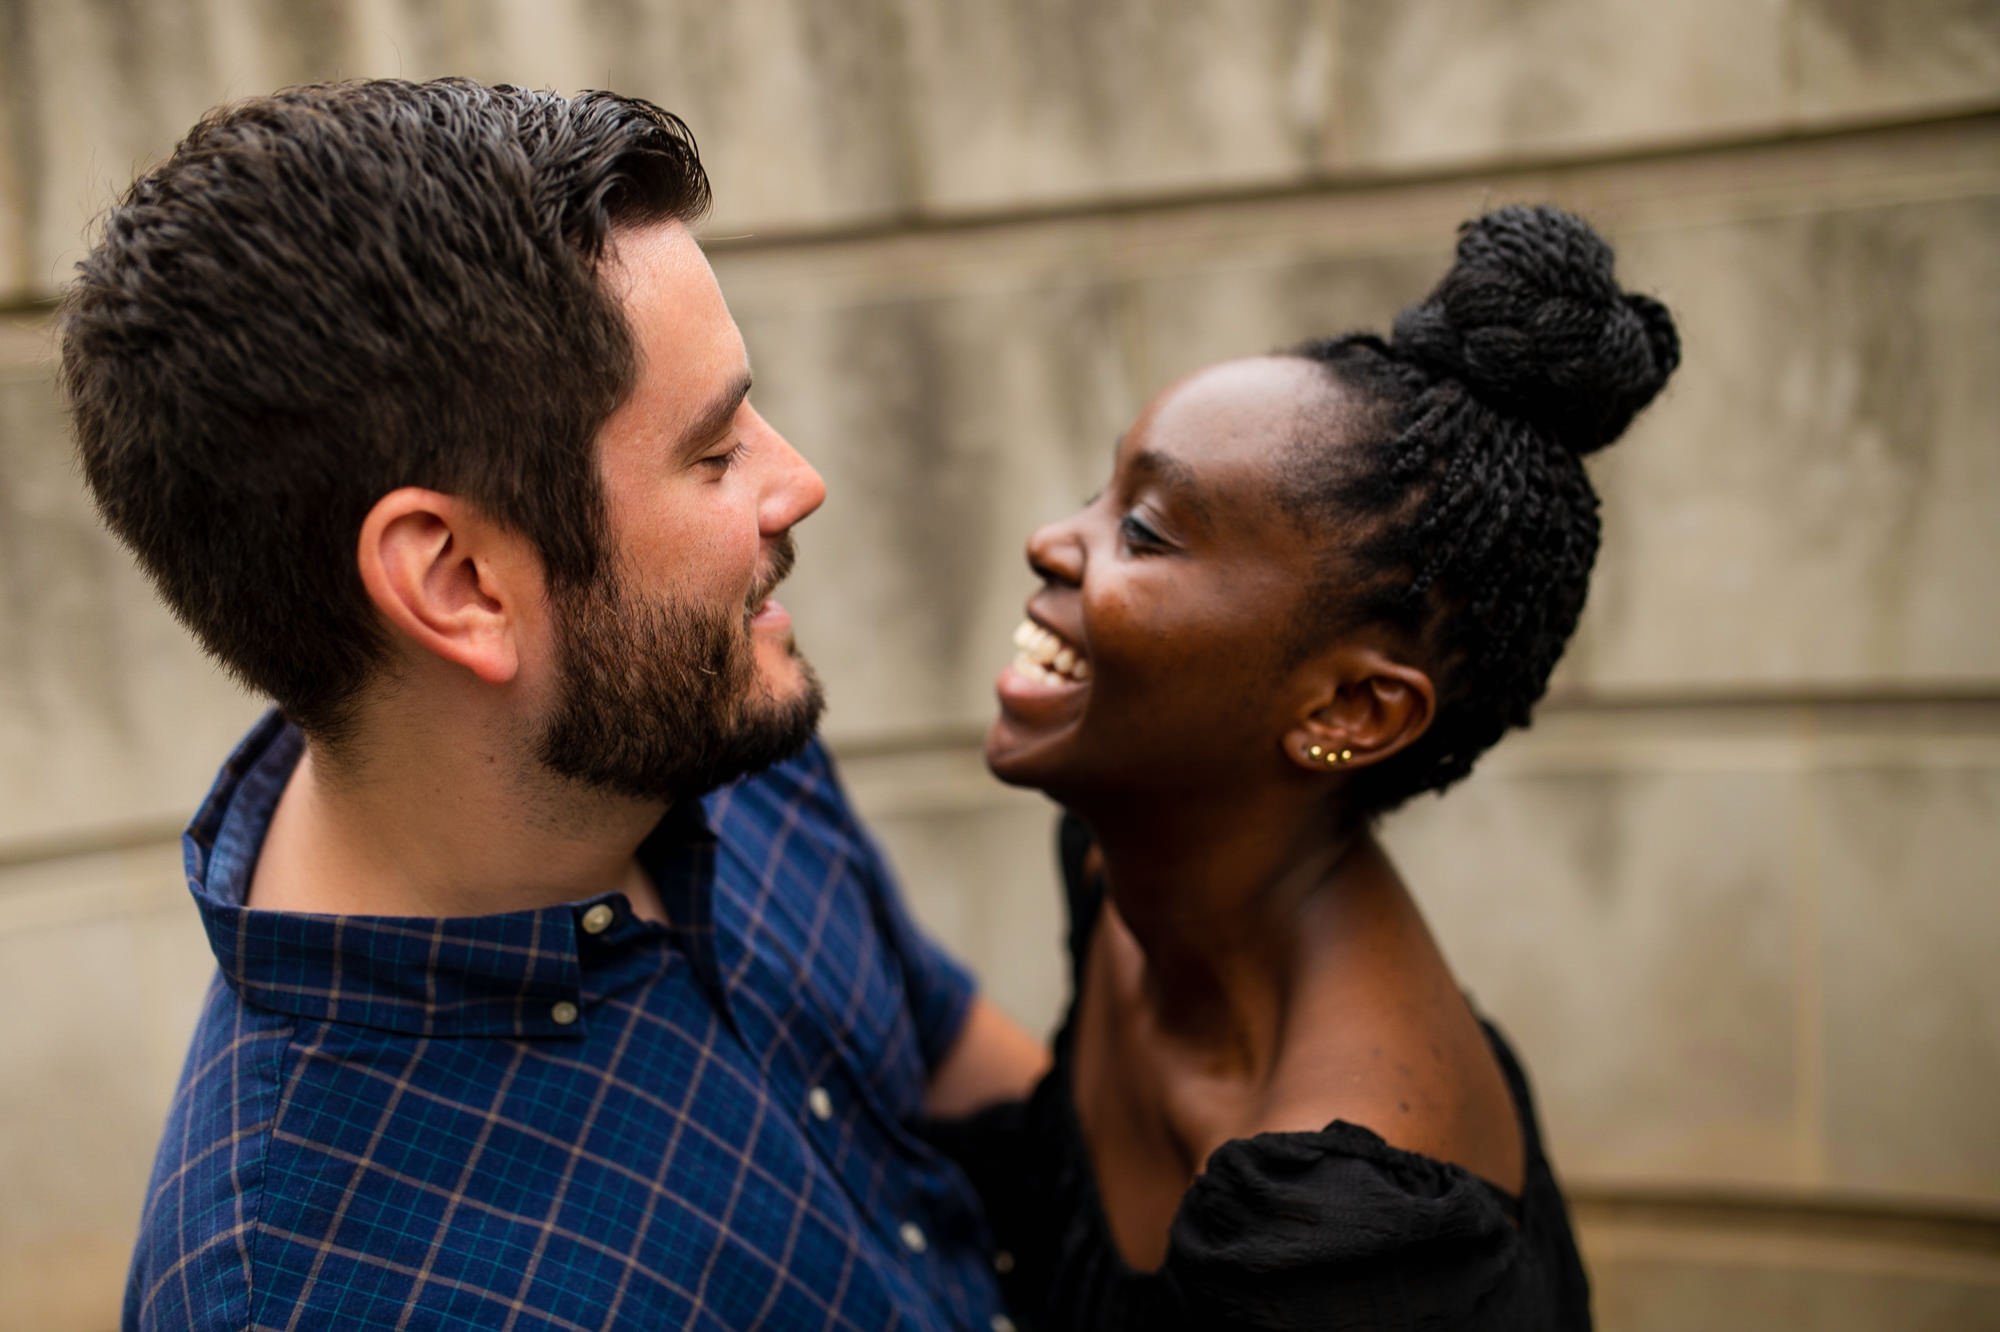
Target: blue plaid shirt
point(569, 1117)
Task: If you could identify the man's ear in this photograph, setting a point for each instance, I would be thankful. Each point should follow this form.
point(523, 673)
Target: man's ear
point(448, 579)
point(1366, 706)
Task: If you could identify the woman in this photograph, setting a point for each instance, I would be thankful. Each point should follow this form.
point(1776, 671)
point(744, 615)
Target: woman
point(1317, 585)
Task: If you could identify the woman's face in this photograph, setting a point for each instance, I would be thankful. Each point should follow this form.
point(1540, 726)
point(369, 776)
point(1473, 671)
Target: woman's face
point(1154, 656)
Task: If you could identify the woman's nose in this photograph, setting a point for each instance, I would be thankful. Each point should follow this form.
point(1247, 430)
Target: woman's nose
point(1055, 553)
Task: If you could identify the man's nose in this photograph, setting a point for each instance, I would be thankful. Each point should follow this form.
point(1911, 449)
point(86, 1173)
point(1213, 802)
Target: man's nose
point(795, 487)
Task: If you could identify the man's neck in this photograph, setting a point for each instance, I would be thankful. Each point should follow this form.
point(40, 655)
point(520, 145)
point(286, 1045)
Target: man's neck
point(436, 829)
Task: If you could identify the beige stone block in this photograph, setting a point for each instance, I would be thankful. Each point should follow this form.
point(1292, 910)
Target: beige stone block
point(977, 862)
point(1013, 105)
point(1813, 501)
point(1465, 81)
point(110, 717)
point(103, 90)
point(945, 430)
point(1741, 947)
point(1677, 1262)
point(1909, 852)
point(103, 966)
point(1671, 1296)
point(1187, 318)
point(797, 105)
point(1863, 57)
point(1623, 904)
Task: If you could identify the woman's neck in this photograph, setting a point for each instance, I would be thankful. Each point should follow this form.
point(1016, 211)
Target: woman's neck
point(1213, 913)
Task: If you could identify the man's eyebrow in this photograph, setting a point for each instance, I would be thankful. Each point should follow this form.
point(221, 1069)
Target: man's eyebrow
point(1177, 478)
point(713, 419)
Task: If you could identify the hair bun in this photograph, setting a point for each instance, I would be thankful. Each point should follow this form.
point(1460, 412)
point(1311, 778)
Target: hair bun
point(1531, 320)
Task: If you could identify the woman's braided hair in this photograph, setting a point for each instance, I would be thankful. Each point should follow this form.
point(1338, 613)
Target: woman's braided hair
point(1469, 523)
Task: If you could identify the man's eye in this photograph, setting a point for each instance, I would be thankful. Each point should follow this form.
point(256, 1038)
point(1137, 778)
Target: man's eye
point(1138, 535)
point(722, 462)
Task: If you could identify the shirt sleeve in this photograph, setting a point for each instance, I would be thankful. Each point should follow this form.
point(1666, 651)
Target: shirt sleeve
point(940, 988)
point(1337, 1228)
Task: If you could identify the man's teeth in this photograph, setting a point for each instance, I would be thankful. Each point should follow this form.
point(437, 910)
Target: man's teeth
point(1045, 657)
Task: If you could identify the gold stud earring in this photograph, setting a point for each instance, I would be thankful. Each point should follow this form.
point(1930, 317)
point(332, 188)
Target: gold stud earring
point(1314, 751)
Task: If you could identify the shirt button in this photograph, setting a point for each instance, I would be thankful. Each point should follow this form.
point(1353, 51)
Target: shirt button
point(1003, 1262)
point(913, 1237)
point(563, 1013)
point(1002, 1323)
point(598, 919)
point(820, 1104)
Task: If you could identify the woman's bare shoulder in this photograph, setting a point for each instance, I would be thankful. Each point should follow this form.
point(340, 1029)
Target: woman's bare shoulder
point(1423, 1077)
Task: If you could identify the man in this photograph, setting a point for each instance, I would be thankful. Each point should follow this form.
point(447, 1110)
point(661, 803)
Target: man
point(421, 407)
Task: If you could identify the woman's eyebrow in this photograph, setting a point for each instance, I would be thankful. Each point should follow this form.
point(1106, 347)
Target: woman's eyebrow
point(1177, 479)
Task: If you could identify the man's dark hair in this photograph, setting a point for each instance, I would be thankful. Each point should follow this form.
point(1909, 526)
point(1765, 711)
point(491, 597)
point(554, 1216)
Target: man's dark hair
point(1457, 474)
point(340, 289)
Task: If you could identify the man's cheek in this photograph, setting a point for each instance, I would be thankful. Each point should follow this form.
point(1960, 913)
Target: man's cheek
point(740, 565)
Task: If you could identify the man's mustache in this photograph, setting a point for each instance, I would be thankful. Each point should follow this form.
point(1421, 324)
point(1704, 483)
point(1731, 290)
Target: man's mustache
point(783, 555)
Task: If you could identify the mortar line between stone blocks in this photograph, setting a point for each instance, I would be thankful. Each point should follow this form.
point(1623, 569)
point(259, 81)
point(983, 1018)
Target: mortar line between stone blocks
point(1323, 184)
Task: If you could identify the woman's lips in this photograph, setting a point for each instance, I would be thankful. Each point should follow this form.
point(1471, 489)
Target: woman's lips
point(1043, 655)
point(1017, 682)
point(1045, 670)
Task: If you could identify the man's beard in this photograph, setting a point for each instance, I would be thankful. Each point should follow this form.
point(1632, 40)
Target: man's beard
point(661, 701)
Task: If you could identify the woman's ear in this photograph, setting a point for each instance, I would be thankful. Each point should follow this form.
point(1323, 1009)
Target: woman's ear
point(1367, 706)
point(446, 579)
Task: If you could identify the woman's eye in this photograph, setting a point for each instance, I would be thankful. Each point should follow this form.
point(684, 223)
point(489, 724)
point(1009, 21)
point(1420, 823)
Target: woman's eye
point(1138, 535)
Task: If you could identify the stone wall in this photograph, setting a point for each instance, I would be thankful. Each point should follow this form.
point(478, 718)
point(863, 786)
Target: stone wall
point(1732, 896)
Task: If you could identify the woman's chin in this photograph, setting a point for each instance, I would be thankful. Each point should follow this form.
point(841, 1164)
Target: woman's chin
point(1015, 758)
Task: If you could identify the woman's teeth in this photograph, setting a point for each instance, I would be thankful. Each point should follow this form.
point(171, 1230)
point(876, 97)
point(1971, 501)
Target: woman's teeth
point(1045, 657)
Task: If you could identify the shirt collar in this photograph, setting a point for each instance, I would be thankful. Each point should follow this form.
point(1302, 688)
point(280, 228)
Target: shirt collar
point(523, 974)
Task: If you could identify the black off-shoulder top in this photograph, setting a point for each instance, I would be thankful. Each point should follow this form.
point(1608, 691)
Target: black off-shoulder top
point(1334, 1229)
